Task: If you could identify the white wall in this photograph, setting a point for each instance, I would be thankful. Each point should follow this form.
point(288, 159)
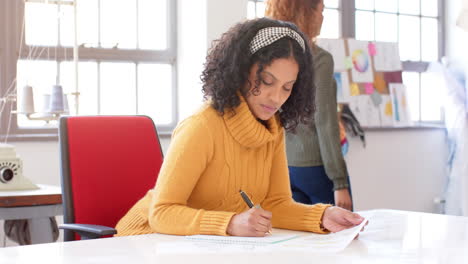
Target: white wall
point(398, 169)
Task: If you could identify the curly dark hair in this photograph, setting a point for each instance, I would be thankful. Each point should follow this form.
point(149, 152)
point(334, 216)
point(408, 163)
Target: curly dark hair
point(229, 62)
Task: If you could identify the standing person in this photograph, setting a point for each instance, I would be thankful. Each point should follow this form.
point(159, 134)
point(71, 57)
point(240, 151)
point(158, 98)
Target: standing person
point(316, 165)
point(236, 142)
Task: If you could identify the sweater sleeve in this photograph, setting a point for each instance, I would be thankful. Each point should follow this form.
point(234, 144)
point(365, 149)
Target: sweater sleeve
point(286, 212)
point(326, 119)
point(191, 149)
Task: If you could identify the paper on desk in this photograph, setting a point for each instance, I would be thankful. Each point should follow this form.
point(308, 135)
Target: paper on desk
point(202, 244)
point(327, 243)
point(269, 239)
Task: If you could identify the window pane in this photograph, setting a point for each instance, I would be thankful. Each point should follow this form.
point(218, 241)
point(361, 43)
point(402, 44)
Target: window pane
point(364, 25)
point(118, 92)
point(430, 8)
point(365, 4)
point(409, 39)
point(88, 86)
point(429, 34)
point(152, 24)
point(118, 24)
point(332, 3)
point(260, 9)
point(87, 16)
point(41, 75)
point(386, 5)
point(386, 27)
point(431, 97)
point(331, 24)
point(41, 25)
point(66, 25)
point(251, 10)
point(409, 7)
point(411, 80)
point(155, 92)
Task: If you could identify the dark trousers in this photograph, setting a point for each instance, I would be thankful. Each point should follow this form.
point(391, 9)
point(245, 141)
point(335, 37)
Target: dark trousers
point(311, 185)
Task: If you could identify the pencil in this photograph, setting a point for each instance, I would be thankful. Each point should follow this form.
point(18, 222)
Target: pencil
point(250, 204)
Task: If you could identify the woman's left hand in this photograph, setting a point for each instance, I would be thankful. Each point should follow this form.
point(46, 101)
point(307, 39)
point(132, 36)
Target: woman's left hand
point(343, 199)
point(336, 219)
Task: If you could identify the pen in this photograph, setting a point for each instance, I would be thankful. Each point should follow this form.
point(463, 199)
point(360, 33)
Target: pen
point(249, 203)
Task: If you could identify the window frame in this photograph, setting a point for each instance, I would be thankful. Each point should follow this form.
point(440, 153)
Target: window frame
point(14, 49)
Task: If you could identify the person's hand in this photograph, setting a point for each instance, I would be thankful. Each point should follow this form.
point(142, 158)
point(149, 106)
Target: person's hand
point(343, 199)
point(255, 222)
point(336, 219)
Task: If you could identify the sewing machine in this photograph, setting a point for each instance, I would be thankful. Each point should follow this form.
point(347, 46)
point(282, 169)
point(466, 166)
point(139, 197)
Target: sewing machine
point(11, 171)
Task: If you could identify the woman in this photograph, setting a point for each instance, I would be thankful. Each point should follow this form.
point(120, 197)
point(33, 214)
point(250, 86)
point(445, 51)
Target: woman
point(316, 165)
point(235, 142)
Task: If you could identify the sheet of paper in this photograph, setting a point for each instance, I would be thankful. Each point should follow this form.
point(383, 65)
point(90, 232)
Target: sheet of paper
point(328, 243)
point(361, 72)
point(400, 106)
point(282, 240)
point(270, 239)
point(202, 244)
point(337, 49)
point(387, 57)
point(365, 111)
point(386, 111)
point(342, 87)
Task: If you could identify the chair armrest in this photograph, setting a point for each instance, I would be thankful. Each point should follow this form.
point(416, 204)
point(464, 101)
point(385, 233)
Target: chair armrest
point(89, 231)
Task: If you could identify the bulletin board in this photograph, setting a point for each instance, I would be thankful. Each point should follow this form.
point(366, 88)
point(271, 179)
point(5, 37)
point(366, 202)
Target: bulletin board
point(369, 79)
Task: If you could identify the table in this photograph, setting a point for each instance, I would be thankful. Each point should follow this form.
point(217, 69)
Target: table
point(391, 237)
point(36, 206)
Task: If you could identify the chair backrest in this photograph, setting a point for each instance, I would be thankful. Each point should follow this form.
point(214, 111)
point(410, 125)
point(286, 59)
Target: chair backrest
point(108, 163)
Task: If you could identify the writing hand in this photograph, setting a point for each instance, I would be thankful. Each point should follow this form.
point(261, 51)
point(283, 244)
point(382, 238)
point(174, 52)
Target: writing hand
point(254, 222)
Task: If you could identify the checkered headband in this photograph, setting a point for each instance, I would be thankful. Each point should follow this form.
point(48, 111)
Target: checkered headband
point(267, 36)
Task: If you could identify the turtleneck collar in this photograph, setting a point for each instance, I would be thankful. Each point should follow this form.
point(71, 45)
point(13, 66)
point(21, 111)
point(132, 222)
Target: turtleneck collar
point(247, 130)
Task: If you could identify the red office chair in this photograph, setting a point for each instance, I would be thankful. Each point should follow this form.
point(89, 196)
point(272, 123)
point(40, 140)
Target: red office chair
point(108, 163)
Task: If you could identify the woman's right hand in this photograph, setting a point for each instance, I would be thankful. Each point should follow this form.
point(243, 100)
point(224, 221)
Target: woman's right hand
point(255, 222)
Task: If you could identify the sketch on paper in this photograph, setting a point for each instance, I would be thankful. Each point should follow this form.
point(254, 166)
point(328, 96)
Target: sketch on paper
point(337, 49)
point(361, 70)
point(400, 107)
point(342, 87)
point(387, 57)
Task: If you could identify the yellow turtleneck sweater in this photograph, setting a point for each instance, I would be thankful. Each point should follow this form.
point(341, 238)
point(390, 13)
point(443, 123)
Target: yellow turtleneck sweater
point(211, 158)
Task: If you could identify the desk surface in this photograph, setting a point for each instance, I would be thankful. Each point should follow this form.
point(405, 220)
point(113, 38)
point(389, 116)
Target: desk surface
point(45, 195)
point(391, 237)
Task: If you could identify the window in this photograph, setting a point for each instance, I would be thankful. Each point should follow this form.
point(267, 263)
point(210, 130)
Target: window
point(416, 25)
point(255, 8)
point(126, 62)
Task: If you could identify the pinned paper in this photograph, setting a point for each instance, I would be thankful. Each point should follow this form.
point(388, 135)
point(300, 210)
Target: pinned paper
point(337, 49)
point(372, 49)
point(379, 83)
point(369, 88)
point(376, 98)
point(342, 87)
point(361, 70)
point(354, 89)
point(348, 63)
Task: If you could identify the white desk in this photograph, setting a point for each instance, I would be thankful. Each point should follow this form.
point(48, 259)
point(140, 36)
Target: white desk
point(390, 237)
point(36, 206)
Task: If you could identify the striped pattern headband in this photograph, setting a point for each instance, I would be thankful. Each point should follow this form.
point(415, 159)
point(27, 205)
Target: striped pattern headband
point(267, 36)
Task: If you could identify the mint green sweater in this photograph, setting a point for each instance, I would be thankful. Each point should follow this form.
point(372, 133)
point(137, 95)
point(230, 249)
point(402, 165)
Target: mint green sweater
point(318, 143)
